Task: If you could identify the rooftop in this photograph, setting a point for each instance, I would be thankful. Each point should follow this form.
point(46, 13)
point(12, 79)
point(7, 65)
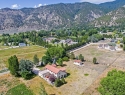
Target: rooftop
point(54, 69)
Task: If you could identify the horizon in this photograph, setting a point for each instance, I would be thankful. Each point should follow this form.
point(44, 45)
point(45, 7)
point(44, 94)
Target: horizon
point(14, 4)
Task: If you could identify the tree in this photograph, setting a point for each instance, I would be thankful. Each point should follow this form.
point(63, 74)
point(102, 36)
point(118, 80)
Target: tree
point(46, 60)
point(58, 82)
point(42, 90)
point(35, 59)
point(25, 68)
point(60, 62)
point(55, 52)
point(124, 47)
point(65, 59)
point(123, 40)
point(113, 84)
point(94, 60)
point(72, 56)
point(13, 65)
point(81, 57)
point(63, 80)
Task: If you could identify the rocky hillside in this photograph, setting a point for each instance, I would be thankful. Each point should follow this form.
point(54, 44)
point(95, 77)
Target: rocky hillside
point(48, 17)
point(114, 18)
point(114, 5)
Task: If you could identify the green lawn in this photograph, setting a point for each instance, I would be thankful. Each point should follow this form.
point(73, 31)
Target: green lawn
point(20, 90)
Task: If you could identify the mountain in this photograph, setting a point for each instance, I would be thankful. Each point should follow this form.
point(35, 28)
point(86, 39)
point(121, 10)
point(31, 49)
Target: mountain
point(48, 17)
point(113, 18)
point(110, 6)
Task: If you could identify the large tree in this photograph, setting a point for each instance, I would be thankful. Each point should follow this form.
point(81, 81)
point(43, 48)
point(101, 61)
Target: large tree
point(113, 84)
point(25, 68)
point(55, 52)
point(13, 65)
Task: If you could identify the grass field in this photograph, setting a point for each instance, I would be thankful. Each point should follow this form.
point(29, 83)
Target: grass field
point(7, 82)
point(19, 90)
point(21, 53)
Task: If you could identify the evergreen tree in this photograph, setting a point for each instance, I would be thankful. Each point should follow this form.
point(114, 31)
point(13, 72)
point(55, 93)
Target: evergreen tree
point(81, 57)
point(60, 62)
point(13, 65)
point(35, 59)
point(72, 56)
point(94, 60)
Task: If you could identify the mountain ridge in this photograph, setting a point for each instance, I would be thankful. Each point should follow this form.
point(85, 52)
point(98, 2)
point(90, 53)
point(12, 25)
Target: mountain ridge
point(55, 16)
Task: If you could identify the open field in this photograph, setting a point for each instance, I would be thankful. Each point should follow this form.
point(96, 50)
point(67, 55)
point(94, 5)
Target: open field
point(21, 53)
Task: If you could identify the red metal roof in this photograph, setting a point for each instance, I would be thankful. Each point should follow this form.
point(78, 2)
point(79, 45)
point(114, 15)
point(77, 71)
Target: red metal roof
point(79, 61)
point(53, 69)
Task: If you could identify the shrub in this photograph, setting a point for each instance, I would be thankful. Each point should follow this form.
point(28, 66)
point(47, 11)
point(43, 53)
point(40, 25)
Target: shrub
point(65, 59)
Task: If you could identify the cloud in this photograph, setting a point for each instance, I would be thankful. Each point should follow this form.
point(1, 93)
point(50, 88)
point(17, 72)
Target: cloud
point(14, 6)
point(97, 1)
point(39, 5)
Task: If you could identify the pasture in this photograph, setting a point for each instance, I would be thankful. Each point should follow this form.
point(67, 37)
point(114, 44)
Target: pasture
point(21, 52)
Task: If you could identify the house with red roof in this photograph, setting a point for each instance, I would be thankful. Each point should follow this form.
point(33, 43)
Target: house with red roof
point(57, 72)
point(78, 62)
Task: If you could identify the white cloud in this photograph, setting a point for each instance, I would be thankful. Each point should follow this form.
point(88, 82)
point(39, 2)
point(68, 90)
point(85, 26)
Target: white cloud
point(14, 6)
point(39, 5)
point(97, 1)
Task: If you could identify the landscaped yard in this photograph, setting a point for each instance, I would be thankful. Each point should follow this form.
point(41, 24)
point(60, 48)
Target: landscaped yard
point(21, 53)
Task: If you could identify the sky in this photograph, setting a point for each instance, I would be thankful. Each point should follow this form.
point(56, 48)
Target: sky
point(17, 4)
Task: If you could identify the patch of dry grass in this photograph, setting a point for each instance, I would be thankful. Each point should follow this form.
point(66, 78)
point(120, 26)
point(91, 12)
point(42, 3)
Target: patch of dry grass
point(7, 82)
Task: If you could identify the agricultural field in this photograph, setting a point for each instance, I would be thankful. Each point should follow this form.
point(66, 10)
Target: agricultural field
point(21, 53)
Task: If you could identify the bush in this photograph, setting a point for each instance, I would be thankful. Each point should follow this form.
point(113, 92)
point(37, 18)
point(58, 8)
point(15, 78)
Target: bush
point(94, 60)
point(65, 59)
point(26, 75)
point(58, 83)
point(121, 45)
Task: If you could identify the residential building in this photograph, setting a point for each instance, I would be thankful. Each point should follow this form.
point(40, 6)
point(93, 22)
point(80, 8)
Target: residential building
point(22, 44)
point(78, 62)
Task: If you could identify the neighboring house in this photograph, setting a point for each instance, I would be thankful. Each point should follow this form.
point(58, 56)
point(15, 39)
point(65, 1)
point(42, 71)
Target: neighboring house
point(62, 41)
point(51, 73)
point(109, 47)
point(68, 41)
point(49, 39)
point(112, 48)
point(104, 46)
point(22, 44)
point(78, 62)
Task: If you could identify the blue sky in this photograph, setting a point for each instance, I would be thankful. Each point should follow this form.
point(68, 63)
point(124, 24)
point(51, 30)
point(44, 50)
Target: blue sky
point(17, 4)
